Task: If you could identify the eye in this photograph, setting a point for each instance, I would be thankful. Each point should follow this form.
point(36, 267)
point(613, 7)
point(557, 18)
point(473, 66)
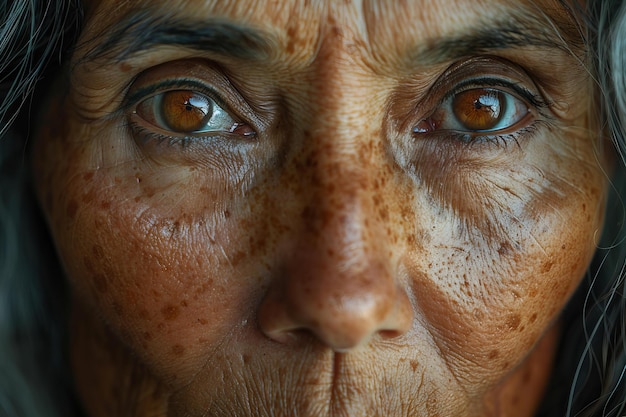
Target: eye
point(477, 110)
point(186, 112)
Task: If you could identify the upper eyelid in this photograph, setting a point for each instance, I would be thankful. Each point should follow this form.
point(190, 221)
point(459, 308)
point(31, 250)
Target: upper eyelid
point(535, 100)
point(496, 71)
point(152, 90)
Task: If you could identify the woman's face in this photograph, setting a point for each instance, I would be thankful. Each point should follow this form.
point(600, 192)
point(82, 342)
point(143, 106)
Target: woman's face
point(321, 208)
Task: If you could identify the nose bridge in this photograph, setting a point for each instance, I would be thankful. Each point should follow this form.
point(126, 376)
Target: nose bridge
point(340, 160)
point(338, 278)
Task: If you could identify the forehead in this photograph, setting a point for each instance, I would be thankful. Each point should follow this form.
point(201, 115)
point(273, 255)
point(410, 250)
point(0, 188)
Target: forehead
point(383, 27)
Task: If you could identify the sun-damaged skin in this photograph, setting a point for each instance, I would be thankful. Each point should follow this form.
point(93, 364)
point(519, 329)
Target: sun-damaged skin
point(335, 262)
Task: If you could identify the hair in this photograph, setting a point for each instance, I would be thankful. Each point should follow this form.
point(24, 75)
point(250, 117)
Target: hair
point(589, 378)
point(34, 374)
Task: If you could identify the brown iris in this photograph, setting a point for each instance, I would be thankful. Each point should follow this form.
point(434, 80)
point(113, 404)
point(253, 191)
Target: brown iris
point(185, 111)
point(479, 109)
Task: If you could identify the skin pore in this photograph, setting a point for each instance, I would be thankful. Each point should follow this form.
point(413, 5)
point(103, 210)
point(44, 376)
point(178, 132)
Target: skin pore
point(327, 238)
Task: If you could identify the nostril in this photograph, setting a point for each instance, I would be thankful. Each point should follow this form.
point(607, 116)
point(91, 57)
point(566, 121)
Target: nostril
point(389, 334)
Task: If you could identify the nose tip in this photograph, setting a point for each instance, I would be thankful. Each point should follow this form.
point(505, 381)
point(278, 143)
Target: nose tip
point(342, 310)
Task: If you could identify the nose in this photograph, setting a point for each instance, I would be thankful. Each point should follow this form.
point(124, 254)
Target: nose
point(337, 281)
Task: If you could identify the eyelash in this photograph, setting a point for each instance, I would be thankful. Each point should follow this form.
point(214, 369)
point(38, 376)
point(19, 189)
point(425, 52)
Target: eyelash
point(538, 103)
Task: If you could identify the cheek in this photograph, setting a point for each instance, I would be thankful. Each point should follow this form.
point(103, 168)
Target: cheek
point(490, 283)
point(162, 255)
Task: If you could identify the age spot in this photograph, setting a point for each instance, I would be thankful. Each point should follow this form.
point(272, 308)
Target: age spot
point(178, 350)
point(170, 312)
point(513, 322)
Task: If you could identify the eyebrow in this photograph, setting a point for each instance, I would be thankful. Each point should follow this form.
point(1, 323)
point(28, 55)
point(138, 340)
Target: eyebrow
point(143, 30)
point(513, 31)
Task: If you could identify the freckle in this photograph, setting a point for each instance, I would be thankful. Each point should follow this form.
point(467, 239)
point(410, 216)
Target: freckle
point(414, 365)
point(547, 266)
point(161, 326)
point(383, 214)
point(533, 318)
point(105, 205)
point(178, 350)
point(72, 208)
point(183, 303)
point(88, 176)
point(125, 67)
point(202, 321)
point(143, 314)
point(513, 321)
point(226, 214)
point(202, 340)
point(146, 335)
point(493, 354)
point(505, 249)
point(170, 312)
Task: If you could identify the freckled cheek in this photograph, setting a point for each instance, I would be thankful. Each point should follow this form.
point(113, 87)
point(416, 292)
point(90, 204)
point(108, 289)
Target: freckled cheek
point(504, 296)
point(171, 283)
point(171, 300)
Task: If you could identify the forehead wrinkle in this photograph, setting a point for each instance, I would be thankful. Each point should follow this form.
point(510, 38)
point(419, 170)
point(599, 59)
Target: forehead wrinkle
point(277, 21)
point(445, 26)
point(144, 28)
point(384, 34)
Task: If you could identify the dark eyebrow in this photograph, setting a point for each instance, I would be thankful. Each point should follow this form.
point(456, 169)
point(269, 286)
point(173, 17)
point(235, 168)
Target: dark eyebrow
point(143, 30)
point(512, 32)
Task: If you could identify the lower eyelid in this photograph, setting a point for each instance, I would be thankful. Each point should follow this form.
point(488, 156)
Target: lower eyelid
point(203, 142)
point(484, 140)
